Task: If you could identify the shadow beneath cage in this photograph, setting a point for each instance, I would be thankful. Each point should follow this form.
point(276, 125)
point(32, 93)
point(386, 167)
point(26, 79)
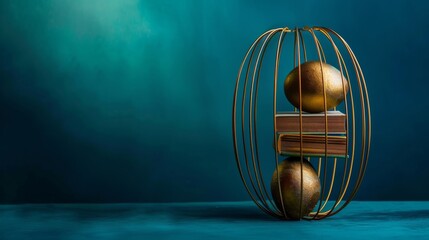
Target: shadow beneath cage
point(224, 213)
point(391, 215)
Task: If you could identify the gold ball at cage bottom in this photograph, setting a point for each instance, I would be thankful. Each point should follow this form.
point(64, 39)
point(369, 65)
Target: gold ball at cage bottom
point(312, 81)
point(290, 181)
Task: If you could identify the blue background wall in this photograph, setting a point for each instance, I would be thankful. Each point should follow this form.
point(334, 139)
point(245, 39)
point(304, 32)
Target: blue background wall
point(110, 101)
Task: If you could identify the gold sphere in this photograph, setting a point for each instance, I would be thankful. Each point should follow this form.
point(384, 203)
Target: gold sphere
point(290, 182)
point(312, 86)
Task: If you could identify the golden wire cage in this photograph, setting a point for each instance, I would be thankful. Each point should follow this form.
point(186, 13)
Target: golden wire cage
point(263, 65)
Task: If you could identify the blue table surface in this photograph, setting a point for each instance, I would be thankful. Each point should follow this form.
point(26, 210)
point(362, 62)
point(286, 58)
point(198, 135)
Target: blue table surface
point(215, 220)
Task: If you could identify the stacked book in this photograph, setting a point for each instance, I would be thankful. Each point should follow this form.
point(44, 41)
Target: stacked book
point(314, 141)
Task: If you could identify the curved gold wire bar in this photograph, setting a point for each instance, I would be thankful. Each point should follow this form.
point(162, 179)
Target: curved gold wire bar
point(303, 46)
point(326, 213)
point(365, 110)
point(334, 169)
point(364, 159)
point(353, 143)
point(252, 106)
point(341, 63)
point(367, 113)
point(260, 58)
point(321, 50)
point(366, 119)
point(345, 187)
point(256, 140)
point(276, 68)
point(294, 62)
point(365, 107)
point(322, 53)
point(234, 126)
point(316, 41)
point(295, 49)
point(319, 168)
point(342, 190)
point(368, 108)
point(243, 102)
point(301, 155)
point(250, 130)
point(326, 142)
point(316, 215)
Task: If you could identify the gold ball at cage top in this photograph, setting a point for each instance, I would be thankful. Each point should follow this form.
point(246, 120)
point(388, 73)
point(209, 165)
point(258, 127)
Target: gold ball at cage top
point(324, 138)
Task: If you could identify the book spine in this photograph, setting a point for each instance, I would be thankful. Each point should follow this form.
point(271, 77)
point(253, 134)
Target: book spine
point(312, 145)
point(310, 124)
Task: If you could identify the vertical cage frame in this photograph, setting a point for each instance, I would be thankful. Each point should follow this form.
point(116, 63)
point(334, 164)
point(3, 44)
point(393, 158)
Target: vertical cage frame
point(245, 138)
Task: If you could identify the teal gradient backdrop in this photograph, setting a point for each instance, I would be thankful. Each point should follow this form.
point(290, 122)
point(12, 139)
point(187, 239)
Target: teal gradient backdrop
point(129, 101)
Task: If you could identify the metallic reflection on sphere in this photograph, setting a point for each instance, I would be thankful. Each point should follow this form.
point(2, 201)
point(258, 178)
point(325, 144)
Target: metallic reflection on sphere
point(312, 87)
point(290, 182)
